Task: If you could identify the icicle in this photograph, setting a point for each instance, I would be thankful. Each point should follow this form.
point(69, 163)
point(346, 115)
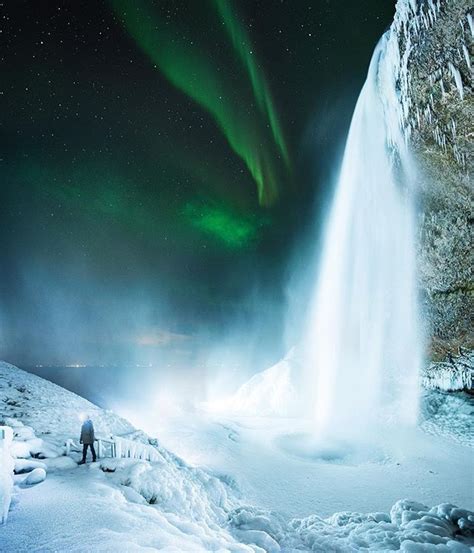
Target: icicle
point(413, 6)
point(466, 56)
point(471, 23)
point(432, 8)
point(425, 20)
point(457, 79)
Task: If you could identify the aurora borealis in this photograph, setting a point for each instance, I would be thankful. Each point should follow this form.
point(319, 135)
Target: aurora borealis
point(162, 164)
point(191, 70)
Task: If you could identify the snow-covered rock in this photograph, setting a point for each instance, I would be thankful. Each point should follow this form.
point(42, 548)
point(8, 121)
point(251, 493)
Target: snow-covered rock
point(36, 476)
point(410, 527)
point(20, 450)
point(27, 465)
point(23, 433)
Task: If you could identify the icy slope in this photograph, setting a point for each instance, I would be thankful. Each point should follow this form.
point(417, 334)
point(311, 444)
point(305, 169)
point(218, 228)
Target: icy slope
point(120, 505)
point(132, 505)
point(50, 409)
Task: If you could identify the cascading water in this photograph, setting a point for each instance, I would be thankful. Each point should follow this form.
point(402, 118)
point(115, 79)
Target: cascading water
point(362, 348)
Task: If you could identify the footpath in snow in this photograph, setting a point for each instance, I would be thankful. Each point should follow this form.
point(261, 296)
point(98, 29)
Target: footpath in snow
point(168, 505)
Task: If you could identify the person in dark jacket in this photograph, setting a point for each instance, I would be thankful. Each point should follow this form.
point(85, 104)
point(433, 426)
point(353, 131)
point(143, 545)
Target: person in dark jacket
point(87, 439)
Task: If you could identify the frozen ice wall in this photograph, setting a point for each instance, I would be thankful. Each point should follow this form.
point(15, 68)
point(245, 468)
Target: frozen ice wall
point(362, 347)
point(6, 472)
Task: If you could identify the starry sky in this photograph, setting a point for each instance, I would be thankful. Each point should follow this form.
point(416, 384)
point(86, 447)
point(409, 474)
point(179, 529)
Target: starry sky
point(165, 169)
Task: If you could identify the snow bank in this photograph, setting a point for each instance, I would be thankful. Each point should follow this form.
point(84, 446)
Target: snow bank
point(410, 527)
point(189, 498)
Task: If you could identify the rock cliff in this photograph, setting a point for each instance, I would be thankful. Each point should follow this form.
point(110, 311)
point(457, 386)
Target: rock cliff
point(437, 92)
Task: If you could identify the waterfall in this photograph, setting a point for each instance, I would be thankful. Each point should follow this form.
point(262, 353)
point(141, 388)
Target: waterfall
point(356, 367)
point(362, 347)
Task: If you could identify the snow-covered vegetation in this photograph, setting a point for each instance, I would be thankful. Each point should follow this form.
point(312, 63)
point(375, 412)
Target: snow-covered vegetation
point(134, 505)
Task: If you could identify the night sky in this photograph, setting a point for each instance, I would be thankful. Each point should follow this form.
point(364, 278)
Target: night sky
point(165, 166)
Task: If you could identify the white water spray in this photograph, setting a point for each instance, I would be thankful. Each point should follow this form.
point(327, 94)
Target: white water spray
point(362, 347)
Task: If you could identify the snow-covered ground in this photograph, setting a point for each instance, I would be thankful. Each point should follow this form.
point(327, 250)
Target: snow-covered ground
point(277, 469)
point(240, 488)
point(101, 507)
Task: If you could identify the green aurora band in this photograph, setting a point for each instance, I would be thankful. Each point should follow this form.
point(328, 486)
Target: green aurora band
point(243, 47)
point(215, 220)
point(103, 193)
point(192, 72)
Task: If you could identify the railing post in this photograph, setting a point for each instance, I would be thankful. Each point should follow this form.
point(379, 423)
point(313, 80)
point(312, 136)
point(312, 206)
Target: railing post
point(99, 449)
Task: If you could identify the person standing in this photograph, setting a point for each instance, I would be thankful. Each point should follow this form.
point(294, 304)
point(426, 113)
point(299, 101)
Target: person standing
point(87, 439)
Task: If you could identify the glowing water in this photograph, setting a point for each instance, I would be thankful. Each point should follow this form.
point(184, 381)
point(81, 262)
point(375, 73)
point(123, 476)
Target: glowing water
point(362, 346)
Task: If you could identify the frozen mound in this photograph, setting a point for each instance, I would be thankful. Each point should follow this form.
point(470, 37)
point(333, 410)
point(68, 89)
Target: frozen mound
point(268, 393)
point(456, 374)
point(178, 492)
point(410, 527)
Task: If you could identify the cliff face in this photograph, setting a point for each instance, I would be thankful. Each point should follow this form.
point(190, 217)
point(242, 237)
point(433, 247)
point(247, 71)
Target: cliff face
point(436, 89)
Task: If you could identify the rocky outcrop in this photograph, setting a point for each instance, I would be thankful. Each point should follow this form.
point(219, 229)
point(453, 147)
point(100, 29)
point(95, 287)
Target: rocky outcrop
point(453, 375)
point(437, 92)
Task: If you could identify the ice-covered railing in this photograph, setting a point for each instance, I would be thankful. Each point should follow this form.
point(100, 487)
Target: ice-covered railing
point(117, 447)
point(6, 471)
point(135, 450)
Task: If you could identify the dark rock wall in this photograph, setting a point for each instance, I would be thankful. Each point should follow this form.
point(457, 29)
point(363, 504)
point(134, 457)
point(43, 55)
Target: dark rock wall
point(438, 40)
